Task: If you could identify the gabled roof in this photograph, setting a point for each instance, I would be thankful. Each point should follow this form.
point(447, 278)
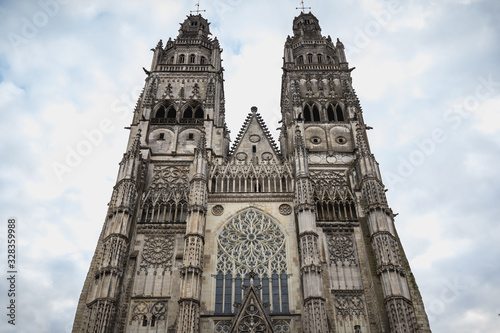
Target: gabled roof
point(258, 128)
point(251, 316)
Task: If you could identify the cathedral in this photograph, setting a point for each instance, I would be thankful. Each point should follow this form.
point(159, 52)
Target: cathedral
point(207, 235)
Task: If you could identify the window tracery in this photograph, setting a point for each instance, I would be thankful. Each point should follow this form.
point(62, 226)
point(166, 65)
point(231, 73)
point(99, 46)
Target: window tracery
point(251, 242)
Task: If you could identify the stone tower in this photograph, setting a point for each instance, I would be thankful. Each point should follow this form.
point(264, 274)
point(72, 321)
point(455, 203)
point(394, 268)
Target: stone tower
point(200, 237)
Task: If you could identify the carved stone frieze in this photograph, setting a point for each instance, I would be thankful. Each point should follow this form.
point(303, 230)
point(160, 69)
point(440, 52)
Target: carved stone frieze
point(349, 304)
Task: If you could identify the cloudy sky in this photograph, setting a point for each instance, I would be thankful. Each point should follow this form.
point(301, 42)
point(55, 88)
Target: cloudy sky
point(427, 75)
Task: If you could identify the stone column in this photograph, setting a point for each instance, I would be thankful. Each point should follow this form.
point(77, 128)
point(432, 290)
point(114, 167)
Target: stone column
point(192, 265)
point(315, 318)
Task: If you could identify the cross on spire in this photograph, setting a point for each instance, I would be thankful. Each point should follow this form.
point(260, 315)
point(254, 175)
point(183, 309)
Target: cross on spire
point(198, 10)
point(302, 7)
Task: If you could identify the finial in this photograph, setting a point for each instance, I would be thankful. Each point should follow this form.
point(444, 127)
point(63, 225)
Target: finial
point(198, 10)
point(302, 7)
point(254, 109)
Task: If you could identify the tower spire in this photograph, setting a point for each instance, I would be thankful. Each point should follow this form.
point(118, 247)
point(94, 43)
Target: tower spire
point(302, 7)
point(198, 10)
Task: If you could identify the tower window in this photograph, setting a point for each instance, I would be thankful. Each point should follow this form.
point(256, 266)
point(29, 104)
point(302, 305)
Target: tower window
point(171, 61)
point(160, 113)
point(309, 58)
point(188, 113)
point(300, 60)
point(161, 136)
point(339, 113)
point(144, 321)
point(190, 136)
point(198, 113)
point(316, 114)
point(153, 321)
point(192, 58)
point(171, 113)
point(203, 60)
point(320, 58)
point(307, 114)
point(182, 59)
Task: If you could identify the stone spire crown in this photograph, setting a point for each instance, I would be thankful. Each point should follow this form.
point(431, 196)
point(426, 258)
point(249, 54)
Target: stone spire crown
point(195, 26)
point(306, 25)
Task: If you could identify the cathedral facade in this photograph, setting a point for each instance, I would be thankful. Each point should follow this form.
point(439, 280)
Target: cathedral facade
point(202, 235)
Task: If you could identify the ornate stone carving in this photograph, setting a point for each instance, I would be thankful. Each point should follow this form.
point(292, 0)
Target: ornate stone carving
point(157, 252)
point(387, 249)
point(222, 326)
point(285, 209)
point(341, 249)
point(349, 304)
point(281, 326)
point(217, 210)
point(401, 315)
point(111, 254)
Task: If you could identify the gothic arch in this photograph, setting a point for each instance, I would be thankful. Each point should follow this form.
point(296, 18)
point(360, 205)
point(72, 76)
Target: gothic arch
point(193, 110)
point(311, 112)
point(251, 241)
point(164, 112)
point(335, 112)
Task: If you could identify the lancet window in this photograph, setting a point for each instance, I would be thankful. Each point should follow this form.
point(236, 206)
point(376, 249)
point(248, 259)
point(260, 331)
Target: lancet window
point(251, 242)
point(164, 114)
point(192, 112)
point(335, 113)
point(332, 197)
point(311, 113)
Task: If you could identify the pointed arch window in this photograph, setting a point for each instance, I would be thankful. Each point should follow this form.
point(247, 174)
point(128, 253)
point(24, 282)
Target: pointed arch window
point(251, 242)
point(182, 58)
point(198, 113)
point(309, 58)
point(339, 113)
point(320, 58)
point(160, 113)
point(193, 112)
point(311, 113)
point(171, 114)
point(316, 116)
point(192, 58)
point(188, 113)
point(335, 113)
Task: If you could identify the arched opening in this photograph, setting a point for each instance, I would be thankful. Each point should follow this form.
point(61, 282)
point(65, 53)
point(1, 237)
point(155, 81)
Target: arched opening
point(182, 59)
point(160, 113)
point(320, 58)
point(309, 58)
point(307, 114)
point(340, 113)
point(198, 113)
point(171, 61)
point(300, 60)
point(153, 321)
point(188, 113)
point(171, 113)
point(192, 58)
point(144, 321)
point(203, 60)
point(331, 114)
point(316, 116)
